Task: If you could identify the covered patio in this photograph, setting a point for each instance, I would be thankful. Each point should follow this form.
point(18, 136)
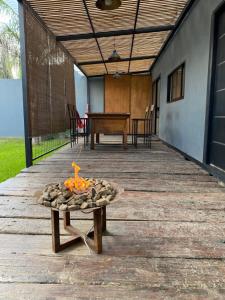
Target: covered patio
point(165, 237)
point(164, 240)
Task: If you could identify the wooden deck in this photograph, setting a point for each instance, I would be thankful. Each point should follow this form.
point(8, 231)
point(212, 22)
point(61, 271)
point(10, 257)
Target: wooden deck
point(165, 240)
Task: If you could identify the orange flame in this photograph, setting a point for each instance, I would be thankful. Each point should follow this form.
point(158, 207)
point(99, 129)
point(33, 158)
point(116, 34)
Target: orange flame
point(77, 183)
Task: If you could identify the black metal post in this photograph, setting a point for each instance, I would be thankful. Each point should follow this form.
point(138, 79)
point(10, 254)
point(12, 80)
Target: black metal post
point(28, 140)
point(135, 25)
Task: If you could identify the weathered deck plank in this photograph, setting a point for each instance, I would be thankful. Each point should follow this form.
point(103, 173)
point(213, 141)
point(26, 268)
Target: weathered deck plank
point(171, 218)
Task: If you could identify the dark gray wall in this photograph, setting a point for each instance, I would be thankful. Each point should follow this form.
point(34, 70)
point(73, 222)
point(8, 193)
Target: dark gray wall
point(182, 123)
point(96, 90)
point(11, 108)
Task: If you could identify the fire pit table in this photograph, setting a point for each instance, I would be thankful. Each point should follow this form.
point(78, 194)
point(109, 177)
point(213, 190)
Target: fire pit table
point(99, 218)
point(79, 194)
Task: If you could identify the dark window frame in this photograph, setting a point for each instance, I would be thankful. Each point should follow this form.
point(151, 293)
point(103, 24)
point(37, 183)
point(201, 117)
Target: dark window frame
point(169, 98)
point(157, 85)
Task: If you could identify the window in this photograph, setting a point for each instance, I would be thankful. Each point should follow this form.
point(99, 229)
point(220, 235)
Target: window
point(176, 84)
point(156, 98)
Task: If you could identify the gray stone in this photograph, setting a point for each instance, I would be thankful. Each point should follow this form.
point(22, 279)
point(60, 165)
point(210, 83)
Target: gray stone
point(54, 203)
point(63, 207)
point(104, 192)
point(61, 199)
point(101, 202)
point(97, 197)
point(83, 197)
point(67, 194)
point(104, 182)
point(109, 198)
point(53, 195)
point(84, 205)
point(74, 207)
point(41, 200)
point(46, 196)
point(98, 187)
point(47, 203)
point(79, 201)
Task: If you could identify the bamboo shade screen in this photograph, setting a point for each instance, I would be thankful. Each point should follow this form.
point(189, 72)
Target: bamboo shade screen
point(50, 79)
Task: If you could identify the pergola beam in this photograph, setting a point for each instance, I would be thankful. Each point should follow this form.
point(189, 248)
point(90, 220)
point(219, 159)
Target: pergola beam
point(133, 36)
point(130, 73)
point(98, 62)
point(86, 36)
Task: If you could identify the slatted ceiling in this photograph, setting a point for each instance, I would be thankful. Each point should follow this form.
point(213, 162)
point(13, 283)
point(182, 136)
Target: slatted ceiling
point(148, 43)
point(119, 19)
point(123, 45)
point(83, 50)
point(63, 17)
point(140, 65)
point(120, 67)
point(155, 12)
point(69, 17)
point(94, 70)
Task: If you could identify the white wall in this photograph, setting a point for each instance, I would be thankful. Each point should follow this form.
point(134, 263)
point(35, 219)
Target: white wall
point(182, 123)
point(96, 92)
point(81, 92)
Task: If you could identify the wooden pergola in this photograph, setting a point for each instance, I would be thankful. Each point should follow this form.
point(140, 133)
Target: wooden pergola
point(57, 34)
point(138, 29)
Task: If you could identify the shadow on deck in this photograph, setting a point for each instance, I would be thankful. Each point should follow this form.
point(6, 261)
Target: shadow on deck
point(165, 239)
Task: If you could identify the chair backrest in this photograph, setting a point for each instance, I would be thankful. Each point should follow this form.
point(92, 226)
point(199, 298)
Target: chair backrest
point(152, 107)
point(72, 111)
point(149, 111)
point(146, 112)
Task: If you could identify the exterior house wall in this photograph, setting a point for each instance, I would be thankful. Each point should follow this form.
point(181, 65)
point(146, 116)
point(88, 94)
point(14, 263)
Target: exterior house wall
point(182, 123)
point(81, 92)
point(11, 108)
point(96, 92)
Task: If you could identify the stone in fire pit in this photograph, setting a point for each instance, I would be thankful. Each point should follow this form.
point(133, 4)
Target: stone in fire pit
point(57, 195)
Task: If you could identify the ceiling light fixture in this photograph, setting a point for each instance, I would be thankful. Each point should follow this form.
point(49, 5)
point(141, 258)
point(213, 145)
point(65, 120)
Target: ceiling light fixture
point(114, 57)
point(108, 4)
point(116, 75)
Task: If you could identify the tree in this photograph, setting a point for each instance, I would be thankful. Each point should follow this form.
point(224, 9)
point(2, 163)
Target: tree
point(9, 43)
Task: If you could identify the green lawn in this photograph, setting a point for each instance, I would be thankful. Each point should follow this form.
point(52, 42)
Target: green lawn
point(12, 154)
point(12, 157)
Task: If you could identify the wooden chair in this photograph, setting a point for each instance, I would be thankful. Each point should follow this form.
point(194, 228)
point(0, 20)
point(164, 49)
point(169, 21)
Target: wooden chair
point(75, 123)
point(147, 122)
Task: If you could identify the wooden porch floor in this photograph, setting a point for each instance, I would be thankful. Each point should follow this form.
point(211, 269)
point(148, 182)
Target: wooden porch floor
point(165, 239)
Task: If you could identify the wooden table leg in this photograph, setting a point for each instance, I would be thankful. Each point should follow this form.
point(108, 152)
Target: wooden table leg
point(125, 140)
point(92, 140)
point(97, 138)
point(66, 219)
point(103, 218)
point(98, 230)
point(55, 231)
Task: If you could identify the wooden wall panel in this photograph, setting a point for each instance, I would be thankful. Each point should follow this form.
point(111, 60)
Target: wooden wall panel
point(117, 94)
point(141, 96)
point(128, 93)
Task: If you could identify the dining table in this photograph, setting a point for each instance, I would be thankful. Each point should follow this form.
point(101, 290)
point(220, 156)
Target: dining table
point(108, 123)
